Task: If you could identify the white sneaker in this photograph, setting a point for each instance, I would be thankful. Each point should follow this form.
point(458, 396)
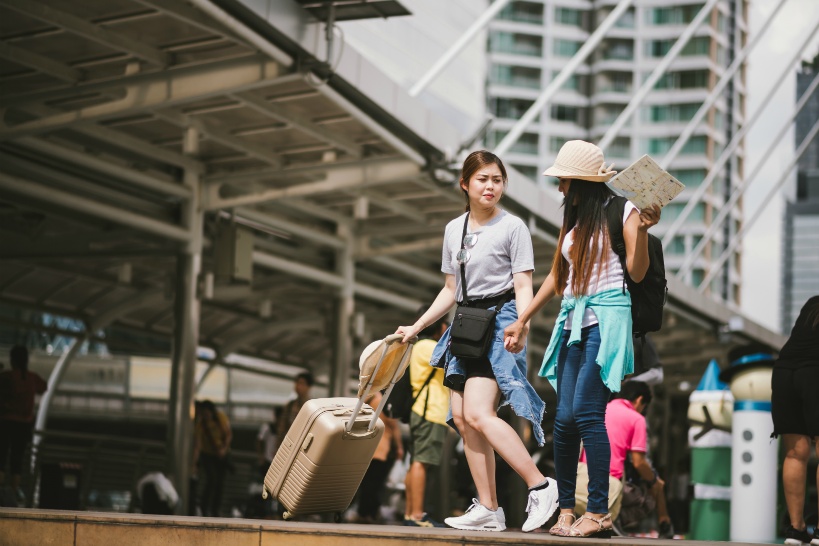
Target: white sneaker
point(541, 505)
point(479, 518)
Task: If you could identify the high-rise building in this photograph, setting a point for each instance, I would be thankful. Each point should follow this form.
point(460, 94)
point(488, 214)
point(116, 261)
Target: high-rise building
point(531, 41)
point(800, 271)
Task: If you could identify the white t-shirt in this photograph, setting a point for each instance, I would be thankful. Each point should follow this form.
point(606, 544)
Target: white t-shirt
point(610, 277)
point(503, 248)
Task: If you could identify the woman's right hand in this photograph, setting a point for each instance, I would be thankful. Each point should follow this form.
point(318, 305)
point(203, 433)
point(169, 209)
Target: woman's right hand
point(514, 336)
point(408, 332)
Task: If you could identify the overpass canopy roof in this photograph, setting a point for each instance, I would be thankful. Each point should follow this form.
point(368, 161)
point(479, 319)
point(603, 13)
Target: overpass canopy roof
point(118, 113)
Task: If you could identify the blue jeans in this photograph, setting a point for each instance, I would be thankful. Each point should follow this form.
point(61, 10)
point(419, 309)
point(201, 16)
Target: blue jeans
point(581, 415)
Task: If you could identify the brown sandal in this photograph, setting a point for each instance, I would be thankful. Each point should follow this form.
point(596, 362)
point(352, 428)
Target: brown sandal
point(562, 527)
point(600, 532)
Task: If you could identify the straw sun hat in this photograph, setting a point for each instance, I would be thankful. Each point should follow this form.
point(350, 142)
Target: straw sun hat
point(368, 362)
point(582, 160)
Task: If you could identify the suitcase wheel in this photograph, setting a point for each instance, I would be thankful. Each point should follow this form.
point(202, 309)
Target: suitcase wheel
point(337, 517)
point(264, 493)
point(287, 515)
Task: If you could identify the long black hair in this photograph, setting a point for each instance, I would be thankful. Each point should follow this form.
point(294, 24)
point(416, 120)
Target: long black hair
point(584, 210)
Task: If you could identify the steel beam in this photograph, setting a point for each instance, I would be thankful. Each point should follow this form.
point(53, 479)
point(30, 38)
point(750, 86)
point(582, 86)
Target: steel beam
point(546, 95)
point(715, 93)
point(95, 33)
point(737, 238)
point(314, 274)
point(141, 147)
point(155, 93)
point(304, 124)
point(728, 207)
point(68, 200)
point(728, 151)
point(300, 231)
point(41, 63)
point(367, 173)
point(661, 68)
point(142, 180)
point(478, 25)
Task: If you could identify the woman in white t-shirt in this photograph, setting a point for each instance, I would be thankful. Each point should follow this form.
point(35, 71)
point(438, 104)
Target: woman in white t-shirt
point(591, 348)
point(494, 248)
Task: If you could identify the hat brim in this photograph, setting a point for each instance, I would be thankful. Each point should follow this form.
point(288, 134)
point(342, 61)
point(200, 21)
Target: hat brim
point(728, 374)
point(561, 173)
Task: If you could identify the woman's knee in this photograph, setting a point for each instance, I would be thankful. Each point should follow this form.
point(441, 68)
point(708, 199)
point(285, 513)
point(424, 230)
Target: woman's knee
point(475, 420)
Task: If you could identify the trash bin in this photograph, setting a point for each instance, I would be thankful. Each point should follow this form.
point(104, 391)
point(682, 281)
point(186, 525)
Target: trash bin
point(60, 486)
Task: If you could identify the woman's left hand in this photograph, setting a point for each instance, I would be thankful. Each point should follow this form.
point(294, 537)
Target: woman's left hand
point(514, 337)
point(649, 217)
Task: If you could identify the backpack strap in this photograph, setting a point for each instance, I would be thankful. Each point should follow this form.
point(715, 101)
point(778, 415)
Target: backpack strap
point(424, 386)
point(615, 207)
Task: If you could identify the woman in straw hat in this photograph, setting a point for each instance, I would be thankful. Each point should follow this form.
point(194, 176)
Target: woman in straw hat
point(591, 346)
point(497, 259)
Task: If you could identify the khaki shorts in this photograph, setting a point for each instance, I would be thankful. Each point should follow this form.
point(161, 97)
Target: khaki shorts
point(426, 440)
point(581, 496)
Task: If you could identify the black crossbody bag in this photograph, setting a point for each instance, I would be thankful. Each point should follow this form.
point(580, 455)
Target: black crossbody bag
point(472, 328)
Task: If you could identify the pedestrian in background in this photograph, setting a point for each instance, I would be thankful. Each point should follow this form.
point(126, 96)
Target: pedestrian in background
point(591, 348)
point(18, 387)
point(213, 436)
point(795, 414)
point(492, 249)
point(301, 387)
point(428, 427)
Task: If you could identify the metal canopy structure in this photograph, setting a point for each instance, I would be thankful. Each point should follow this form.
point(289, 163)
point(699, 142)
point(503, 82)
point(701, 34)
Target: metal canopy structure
point(144, 143)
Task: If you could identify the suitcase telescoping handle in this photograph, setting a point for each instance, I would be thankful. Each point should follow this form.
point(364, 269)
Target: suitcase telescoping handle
point(389, 340)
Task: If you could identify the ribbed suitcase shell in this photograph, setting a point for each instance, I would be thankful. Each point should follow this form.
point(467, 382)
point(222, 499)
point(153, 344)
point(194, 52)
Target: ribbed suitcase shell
point(319, 466)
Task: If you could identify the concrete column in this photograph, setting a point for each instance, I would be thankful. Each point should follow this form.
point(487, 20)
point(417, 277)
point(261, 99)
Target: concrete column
point(186, 336)
point(344, 309)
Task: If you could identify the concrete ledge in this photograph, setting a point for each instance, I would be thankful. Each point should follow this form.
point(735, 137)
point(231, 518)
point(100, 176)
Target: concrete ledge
point(23, 527)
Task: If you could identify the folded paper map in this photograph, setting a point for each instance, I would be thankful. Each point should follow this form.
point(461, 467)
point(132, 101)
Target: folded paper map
point(645, 183)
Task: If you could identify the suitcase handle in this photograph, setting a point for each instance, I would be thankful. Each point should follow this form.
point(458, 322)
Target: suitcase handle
point(390, 339)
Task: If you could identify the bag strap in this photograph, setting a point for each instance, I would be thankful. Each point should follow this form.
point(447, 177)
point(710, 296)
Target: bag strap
point(463, 262)
point(614, 215)
point(424, 386)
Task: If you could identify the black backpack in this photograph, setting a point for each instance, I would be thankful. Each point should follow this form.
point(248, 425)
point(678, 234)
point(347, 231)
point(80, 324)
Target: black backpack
point(649, 295)
point(399, 405)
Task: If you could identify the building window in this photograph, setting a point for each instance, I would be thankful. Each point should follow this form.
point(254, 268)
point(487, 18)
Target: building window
point(618, 82)
point(556, 142)
point(619, 50)
point(515, 76)
point(672, 112)
point(620, 147)
point(523, 12)
point(566, 48)
point(568, 16)
point(696, 145)
point(573, 82)
point(675, 15)
point(672, 211)
point(565, 113)
point(508, 108)
point(527, 170)
point(687, 79)
point(677, 245)
point(700, 45)
point(516, 43)
point(526, 144)
point(697, 276)
point(689, 177)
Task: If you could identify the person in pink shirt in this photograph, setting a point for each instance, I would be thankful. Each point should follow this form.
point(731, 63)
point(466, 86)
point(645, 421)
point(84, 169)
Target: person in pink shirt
point(627, 433)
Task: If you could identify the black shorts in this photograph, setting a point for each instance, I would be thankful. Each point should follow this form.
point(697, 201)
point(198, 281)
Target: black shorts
point(475, 367)
point(795, 401)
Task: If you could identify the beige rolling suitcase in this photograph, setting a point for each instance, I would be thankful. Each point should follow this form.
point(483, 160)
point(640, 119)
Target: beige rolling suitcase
point(321, 461)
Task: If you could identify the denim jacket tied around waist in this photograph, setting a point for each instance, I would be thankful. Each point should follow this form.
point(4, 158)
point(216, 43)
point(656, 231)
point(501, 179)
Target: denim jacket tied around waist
point(509, 369)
